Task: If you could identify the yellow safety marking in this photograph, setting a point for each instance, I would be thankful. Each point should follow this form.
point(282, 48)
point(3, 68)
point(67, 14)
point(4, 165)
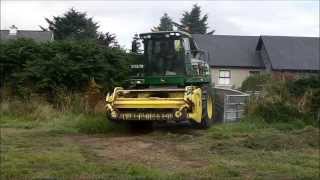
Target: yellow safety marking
point(196, 99)
point(209, 107)
point(156, 103)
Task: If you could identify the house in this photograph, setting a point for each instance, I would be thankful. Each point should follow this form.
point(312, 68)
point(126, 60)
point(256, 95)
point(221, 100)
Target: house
point(14, 33)
point(289, 56)
point(233, 58)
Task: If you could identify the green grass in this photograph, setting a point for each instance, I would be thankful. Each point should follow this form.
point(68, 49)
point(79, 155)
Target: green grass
point(66, 122)
point(37, 146)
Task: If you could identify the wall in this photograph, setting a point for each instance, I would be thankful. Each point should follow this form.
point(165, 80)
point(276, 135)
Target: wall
point(237, 76)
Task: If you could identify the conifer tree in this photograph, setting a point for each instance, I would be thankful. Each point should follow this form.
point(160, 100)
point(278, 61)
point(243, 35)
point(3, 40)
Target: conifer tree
point(165, 24)
point(193, 21)
point(73, 25)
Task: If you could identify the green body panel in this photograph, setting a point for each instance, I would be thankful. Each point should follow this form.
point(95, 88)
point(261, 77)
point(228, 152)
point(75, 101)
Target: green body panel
point(176, 80)
point(198, 80)
point(164, 80)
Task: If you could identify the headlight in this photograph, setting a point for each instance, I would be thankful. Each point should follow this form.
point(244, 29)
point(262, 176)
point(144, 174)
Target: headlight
point(136, 81)
point(189, 90)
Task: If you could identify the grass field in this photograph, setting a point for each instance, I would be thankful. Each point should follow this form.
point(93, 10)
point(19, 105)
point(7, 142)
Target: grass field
point(44, 143)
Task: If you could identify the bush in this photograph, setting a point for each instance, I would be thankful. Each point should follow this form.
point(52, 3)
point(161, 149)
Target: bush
point(255, 82)
point(300, 86)
point(307, 91)
point(277, 111)
point(70, 65)
point(283, 101)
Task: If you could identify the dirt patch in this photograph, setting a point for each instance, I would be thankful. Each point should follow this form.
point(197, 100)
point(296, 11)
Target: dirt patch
point(142, 149)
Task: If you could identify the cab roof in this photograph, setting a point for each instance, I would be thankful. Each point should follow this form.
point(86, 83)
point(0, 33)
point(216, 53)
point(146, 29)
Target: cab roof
point(166, 32)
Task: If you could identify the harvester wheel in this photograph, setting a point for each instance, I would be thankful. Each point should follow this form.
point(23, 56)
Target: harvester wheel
point(207, 108)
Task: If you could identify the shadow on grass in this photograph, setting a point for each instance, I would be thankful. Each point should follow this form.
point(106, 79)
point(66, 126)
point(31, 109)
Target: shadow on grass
point(183, 128)
point(137, 128)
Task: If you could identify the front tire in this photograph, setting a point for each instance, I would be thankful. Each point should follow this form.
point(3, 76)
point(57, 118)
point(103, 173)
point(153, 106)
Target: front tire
point(207, 116)
point(207, 112)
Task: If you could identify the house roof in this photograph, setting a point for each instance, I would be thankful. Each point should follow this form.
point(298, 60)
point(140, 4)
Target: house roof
point(40, 36)
point(230, 51)
point(292, 53)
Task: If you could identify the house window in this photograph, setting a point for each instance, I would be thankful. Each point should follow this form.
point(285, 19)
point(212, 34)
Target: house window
point(224, 77)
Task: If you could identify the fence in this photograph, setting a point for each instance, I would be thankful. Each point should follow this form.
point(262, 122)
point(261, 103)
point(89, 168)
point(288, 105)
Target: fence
point(230, 104)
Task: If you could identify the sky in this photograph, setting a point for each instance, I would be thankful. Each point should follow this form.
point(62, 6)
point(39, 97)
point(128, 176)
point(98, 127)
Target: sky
point(125, 18)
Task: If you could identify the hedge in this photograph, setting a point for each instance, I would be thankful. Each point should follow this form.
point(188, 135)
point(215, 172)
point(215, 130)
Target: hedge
point(45, 67)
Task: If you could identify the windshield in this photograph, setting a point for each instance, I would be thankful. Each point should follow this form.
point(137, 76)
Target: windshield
point(164, 56)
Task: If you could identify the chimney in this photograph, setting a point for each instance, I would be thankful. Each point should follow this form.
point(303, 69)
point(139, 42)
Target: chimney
point(13, 30)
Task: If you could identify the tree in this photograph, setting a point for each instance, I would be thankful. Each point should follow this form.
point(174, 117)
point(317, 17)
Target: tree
point(107, 40)
point(165, 24)
point(73, 25)
point(135, 45)
point(194, 22)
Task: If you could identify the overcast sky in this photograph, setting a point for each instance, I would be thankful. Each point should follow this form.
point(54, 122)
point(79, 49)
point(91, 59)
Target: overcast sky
point(125, 18)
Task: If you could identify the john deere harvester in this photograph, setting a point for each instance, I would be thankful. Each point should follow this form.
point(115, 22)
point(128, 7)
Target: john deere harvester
point(172, 84)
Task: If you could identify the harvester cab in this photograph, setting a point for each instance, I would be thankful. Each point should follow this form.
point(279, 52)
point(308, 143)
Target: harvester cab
point(172, 83)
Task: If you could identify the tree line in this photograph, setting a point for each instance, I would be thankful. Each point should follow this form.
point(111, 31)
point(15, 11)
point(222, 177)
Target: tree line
point(192, 22)
point(75, 25)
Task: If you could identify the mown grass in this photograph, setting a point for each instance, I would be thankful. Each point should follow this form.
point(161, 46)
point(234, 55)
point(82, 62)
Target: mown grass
point(266, 151)
point(36, 154)
point(256, 150)
point(37, 143)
